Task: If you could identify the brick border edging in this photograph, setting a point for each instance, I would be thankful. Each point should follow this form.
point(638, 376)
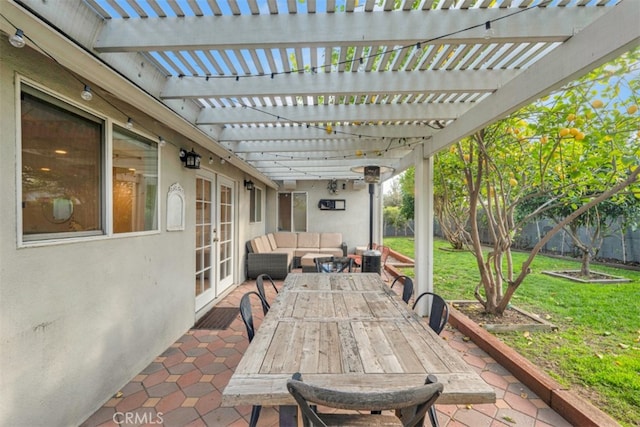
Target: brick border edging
point(573, 408)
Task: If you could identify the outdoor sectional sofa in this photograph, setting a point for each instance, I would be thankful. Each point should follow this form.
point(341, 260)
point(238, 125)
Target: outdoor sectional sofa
point(276, 253)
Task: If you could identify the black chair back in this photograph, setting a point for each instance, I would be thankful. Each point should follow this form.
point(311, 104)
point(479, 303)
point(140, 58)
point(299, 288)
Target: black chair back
point(247, 314)
point(407, 290)
point(439, 313)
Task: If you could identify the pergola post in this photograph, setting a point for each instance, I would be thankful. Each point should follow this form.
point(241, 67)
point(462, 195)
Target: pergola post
point(423, 215)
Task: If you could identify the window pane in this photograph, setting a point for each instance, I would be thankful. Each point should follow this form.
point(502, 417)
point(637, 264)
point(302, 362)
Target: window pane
point(258, 210)
point(255, 205)
point(61, 170)
point(135, 183)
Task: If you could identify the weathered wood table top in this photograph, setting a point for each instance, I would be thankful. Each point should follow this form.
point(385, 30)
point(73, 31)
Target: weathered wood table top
point(347, 331)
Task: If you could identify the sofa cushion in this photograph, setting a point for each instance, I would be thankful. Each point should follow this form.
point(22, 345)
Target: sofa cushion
point(258, 246)
point(266, 244)
point(330, 240)
point(272, 241)
point(286, 240)
point(309, 240)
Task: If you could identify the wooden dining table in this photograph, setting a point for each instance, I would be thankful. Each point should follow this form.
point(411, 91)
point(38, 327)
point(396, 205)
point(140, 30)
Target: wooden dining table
point(351, 332)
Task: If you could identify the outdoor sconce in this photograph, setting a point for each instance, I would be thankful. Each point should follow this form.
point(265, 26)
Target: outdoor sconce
point(191, 159)
point(249, 185)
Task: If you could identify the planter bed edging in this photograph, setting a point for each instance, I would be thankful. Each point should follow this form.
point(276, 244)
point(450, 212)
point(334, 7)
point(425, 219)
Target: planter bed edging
point(573, 408)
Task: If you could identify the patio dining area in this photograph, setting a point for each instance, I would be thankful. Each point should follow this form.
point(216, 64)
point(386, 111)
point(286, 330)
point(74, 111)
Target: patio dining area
point(183, 386)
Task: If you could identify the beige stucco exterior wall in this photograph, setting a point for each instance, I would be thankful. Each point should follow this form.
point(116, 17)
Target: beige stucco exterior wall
point(353, 222)
point(79, 319)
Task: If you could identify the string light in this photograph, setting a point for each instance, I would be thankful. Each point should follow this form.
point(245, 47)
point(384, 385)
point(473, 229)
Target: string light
point(17, 40)
point(129, 124)
point(488, 31)
point(348, 62)
point(86, 93)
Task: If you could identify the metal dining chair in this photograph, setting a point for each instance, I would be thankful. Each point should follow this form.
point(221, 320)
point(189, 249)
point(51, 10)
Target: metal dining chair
point(438, 317)
point(410, 404)
point(260, 285)
point(407, 290)
point(247, 317)
point(384, 255)
point(439, 312)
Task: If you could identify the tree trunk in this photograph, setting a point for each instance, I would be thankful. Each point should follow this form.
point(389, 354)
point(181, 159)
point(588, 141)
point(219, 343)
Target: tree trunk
point(585, 268)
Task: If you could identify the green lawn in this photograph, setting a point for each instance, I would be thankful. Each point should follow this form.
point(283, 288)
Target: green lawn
point(596, 350)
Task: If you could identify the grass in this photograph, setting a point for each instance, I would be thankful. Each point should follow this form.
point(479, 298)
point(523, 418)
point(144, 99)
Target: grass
point(596, 350)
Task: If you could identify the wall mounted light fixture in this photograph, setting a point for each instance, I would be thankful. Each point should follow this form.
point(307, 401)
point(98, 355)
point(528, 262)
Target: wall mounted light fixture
point(191, 159)
point(249, 185)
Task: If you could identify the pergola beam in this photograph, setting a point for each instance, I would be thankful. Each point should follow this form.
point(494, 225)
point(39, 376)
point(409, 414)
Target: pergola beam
point(326, 84)
point(333, 113)
point(344, 29)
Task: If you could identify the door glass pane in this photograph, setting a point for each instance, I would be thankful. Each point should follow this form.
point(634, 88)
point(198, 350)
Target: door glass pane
point(284, 212)
point(299, 211)
point(207, 191)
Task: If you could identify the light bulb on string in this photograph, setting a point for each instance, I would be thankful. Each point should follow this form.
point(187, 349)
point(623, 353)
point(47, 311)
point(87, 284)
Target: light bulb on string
point(129, 124)
point(488, 31)
point(86, 93)
point(17, 40)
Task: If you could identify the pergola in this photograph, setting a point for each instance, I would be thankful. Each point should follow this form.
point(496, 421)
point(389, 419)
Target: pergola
point(306, 90)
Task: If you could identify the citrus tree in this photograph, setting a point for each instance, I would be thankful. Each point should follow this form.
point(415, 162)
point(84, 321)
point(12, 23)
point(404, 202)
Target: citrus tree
point(572, 151)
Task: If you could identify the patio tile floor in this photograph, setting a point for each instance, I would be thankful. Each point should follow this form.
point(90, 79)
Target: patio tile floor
point(183, 386)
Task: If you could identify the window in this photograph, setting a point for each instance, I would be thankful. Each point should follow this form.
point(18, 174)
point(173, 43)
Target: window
point(135, 182)
point(292, 211)
point(255, 205)
point(62, 169)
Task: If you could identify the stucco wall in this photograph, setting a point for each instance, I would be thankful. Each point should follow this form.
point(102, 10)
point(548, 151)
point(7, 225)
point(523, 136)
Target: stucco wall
point(353, 222)
point(80, 319)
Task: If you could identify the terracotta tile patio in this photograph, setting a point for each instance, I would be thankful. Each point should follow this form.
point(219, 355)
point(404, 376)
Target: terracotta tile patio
point(183, 386)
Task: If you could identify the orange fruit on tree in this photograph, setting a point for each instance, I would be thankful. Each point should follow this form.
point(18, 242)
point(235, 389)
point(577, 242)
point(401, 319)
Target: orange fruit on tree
point(632, 109)
point(513, 182)
point(564, 132)
point(543, 140)
point(597, 104)
point(580, 136)
point(571, 117)
point(574, 131)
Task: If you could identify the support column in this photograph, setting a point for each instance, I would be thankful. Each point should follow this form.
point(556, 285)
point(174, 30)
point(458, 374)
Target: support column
point(423, 216)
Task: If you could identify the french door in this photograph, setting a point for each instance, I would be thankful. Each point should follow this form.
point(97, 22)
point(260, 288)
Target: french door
point(215, 230)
